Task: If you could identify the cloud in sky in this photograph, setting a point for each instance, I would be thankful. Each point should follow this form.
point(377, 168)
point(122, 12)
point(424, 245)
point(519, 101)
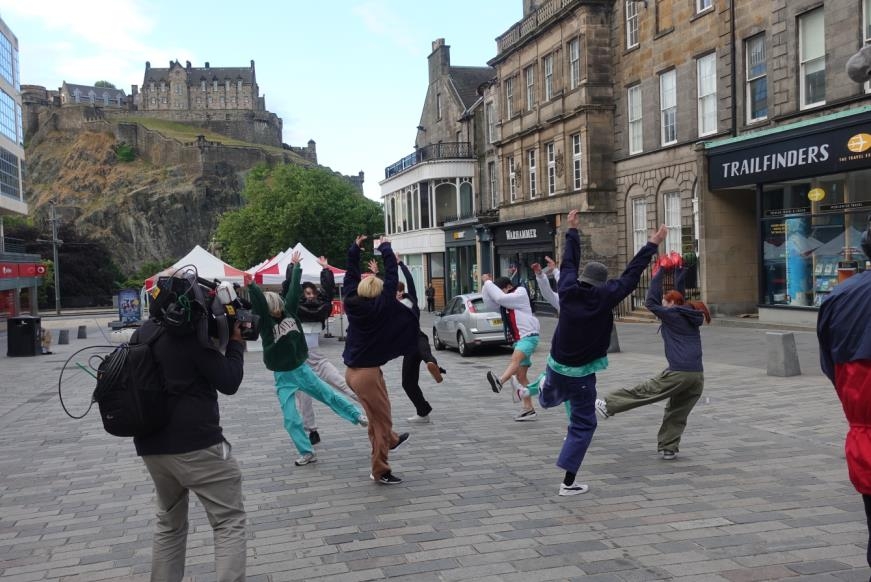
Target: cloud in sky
point(88, 45)
point(378, 19)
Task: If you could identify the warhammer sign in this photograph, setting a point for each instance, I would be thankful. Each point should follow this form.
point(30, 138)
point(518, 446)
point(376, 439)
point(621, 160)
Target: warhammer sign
point(773, 158)
point(530, 232)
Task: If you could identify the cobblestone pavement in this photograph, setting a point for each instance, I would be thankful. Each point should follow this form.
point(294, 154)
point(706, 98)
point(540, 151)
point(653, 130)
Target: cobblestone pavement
point(758, 492)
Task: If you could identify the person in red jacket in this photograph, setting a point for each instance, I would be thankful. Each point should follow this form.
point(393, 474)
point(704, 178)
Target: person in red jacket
point(845, 357)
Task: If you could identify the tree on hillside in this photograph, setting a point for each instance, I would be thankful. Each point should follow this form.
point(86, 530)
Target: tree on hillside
point(105, 84)
point(289, 204)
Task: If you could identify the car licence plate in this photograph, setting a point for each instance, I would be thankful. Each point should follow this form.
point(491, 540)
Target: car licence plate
point(495, 322)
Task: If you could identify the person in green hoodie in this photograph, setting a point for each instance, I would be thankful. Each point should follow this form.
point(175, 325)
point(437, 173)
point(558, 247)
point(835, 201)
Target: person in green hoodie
point(285, 352)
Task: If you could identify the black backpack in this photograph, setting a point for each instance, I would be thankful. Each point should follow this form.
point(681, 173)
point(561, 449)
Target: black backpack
point(131, 392)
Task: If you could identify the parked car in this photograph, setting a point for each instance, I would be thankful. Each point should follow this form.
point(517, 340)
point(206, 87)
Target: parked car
point(464, 324)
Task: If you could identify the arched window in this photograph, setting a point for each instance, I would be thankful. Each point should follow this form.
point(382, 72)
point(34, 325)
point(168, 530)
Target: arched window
point(467, 206)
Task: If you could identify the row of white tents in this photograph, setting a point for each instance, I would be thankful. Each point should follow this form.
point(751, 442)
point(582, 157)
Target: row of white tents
point(269, 272)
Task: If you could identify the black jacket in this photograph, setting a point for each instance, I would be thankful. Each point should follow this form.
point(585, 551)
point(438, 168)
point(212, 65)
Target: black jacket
point(319, 309)
point(194, 375)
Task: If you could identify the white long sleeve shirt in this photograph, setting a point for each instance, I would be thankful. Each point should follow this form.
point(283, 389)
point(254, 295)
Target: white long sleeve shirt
point(520, 317)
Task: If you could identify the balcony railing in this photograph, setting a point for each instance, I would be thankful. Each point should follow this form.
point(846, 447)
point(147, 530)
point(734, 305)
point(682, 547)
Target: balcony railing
point(436, 151)
point(464, 215)
point(530, 24)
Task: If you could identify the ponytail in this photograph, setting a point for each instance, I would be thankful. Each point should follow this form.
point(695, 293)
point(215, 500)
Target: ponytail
point(700, 306)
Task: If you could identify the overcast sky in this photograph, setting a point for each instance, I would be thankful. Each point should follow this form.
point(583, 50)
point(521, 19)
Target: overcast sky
point(349, 74)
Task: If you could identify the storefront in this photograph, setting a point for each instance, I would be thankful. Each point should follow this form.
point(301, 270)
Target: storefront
point(461, 272)
point(520, 244)
point(813, 198)
point(20, 274)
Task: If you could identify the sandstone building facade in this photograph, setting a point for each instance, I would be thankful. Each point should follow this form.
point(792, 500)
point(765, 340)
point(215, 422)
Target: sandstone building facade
point(181, 88)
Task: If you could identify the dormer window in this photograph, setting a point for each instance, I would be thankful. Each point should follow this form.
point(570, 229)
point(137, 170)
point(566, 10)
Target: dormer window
point(215, 85)
point(203, 85)
point(239, 85)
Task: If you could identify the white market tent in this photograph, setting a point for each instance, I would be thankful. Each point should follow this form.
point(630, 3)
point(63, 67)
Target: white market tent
point(208, 267)
point(273, 272)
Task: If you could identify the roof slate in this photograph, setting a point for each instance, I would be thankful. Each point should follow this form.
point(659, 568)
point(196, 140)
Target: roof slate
point(468, 79)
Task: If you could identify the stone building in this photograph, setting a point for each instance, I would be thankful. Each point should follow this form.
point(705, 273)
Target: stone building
point(71, 94)
point(179, 88)
point(737, 126)
point(430, 196)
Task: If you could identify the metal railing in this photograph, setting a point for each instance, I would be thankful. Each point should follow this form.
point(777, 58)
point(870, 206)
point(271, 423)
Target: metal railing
point(14, 245)
point(436, 151)
point(635, 300)
point(530, 24)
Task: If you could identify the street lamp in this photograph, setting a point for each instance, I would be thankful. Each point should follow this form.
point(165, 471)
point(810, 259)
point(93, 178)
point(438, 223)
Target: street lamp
point(55, 243)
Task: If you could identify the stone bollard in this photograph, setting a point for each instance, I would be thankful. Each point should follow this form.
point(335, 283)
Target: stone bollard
point(63, 337)
point(614, 346)
point(83, 332)
point(782, 354)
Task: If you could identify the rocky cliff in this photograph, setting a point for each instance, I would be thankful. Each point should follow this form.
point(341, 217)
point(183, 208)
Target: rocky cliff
point(153, 208)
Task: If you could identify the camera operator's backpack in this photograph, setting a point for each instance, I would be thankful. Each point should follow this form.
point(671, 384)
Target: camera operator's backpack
point(131, 392)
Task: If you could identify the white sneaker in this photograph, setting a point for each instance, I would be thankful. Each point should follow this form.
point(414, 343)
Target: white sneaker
point(573, 489)
point(419, 419)
point(518, 390)
point(602, 409)
point(525, 415)
point(306, 459)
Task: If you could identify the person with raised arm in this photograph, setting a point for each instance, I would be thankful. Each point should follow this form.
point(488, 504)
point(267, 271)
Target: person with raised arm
point(380, 328)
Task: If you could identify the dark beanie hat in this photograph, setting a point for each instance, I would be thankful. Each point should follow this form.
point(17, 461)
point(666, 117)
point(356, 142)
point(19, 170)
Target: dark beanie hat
point(594, 274)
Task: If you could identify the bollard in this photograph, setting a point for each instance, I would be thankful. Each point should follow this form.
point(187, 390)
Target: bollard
point(782, 354)
point(83, 332)
point(614, 346)
point(63, 337)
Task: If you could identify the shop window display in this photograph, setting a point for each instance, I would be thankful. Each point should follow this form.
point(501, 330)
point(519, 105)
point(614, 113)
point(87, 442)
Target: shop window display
point(811, 237)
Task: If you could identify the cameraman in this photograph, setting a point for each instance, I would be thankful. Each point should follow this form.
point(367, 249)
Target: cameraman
point(191, 453)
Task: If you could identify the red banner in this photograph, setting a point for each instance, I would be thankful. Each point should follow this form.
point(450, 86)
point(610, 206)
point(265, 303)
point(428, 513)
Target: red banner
point(8, 270)
point(31, 270)
point(337, 308)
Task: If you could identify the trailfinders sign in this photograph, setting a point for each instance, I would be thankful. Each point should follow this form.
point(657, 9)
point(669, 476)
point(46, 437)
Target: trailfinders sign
point(815, 151)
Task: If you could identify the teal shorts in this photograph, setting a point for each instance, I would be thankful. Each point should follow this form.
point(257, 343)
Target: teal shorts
point(527, 345)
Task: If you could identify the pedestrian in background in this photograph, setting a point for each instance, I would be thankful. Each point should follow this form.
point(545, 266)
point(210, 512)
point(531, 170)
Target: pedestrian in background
point(430, 297)
point(845, 357)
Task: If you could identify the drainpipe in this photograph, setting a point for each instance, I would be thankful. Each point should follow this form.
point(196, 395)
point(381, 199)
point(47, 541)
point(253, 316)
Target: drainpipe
point(733, 73)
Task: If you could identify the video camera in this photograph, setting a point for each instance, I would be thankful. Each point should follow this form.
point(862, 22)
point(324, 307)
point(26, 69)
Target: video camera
point(187, 303)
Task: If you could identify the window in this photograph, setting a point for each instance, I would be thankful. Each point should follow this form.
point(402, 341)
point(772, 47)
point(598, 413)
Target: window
point(10, 179)
point(757, 78)
point(177, 89)
point(576, 161)
point(636, 111)
point(7, 53)
point(548, 77)
point(512, 180)
point(215, 85)
point(664, 20)
point(575, 62)
point(672, 221)
point(227, 85)
point(668, 106)
point(529, 72)
point(702, 5)
point(639, 223)
point(706, 70)
point(491, 122)
point(7, 116)
point(550, 150)
point(631, 9)
point(438, 105)
point(530, 158)
point(494, 191)
point(812, 51)
point(509, 97)
point(203, 85)
point(239, 85)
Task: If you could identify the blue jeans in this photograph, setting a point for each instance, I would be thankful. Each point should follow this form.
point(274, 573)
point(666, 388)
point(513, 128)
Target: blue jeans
point(580, 393)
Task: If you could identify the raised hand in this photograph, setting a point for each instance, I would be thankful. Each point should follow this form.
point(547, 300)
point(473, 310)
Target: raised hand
point(295, 258)
point(536, 268)
point(573, 219)
point(322, 261)
point(551, 264)
point(373, 266)
point(659, 236)
point(359, 240)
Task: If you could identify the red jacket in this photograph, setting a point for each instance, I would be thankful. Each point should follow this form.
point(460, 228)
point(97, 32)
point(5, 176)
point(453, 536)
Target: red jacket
point(845, 357)
point(853, 384)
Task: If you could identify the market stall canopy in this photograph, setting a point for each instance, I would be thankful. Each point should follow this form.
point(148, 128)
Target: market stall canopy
point(208, 267)
point(274, 271)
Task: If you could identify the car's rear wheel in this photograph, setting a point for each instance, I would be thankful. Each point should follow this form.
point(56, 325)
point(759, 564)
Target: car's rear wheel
point(462, 346)
point(436, 341)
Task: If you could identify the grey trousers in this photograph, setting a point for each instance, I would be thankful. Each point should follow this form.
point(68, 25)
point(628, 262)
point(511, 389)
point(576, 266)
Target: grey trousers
point(326, 371)
point(214, 476)
point(683, 390)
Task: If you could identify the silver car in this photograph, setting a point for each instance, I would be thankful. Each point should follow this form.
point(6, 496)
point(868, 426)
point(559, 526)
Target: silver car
point(465, 325)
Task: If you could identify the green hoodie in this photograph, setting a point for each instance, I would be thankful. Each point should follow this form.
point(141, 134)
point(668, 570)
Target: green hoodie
point(284, 347)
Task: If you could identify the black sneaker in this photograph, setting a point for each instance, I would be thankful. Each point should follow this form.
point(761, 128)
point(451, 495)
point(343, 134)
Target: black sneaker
point(387, 478)
point(313, 437)
point(402, 438)
point(495, 384)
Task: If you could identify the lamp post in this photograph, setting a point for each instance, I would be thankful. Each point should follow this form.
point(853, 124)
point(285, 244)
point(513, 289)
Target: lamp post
point(55, 243)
